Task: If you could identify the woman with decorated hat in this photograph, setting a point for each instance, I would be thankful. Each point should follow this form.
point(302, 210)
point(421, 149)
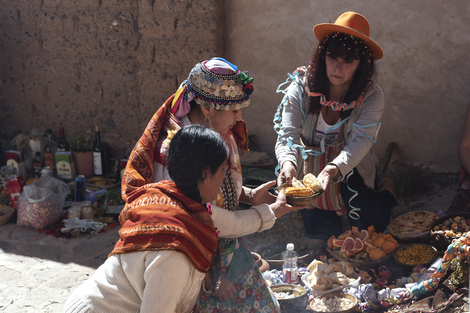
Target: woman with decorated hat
point(213, 95)
point(327, 123)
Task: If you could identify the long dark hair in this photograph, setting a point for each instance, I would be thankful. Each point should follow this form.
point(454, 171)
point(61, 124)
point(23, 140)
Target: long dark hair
point(349, 48)
point(192, 149)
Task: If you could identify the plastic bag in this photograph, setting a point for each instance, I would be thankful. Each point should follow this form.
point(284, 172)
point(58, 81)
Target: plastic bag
point(82, 224)
point(41, 203)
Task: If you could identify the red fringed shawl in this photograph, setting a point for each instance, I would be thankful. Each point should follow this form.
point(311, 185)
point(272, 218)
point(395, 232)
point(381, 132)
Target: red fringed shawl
point(160, 217)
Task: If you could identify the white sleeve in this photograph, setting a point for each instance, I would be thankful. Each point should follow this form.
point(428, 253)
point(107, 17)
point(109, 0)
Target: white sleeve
point(232, 224)
point(166, 276)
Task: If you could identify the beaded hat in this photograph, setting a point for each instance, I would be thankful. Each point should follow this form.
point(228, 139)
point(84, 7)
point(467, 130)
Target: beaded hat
point(220, 90)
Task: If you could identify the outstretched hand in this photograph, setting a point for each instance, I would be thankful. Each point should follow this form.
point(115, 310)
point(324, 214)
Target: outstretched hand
point(288, 172)
point(327, 174)
point(281, 207)
point(261, 194)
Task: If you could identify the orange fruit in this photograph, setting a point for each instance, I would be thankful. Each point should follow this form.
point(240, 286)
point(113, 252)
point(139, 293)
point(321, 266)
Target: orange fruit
point(330, 242)
point(378, 241)
point(355, 231)
point(358, 246)
point(345, 235)
point(376, 254)
point(364, 235)
point(348, 244)
point(337, 244)
point(389, 246)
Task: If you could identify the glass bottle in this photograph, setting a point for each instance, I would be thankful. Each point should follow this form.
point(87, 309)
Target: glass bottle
point(290, 267)
point(98, 154)
point(49, 151)
point(63, 144)
point(38, 164)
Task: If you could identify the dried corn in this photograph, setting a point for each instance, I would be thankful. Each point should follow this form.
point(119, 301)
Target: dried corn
point(312, 182)
point(297, 183)
point(298, 192)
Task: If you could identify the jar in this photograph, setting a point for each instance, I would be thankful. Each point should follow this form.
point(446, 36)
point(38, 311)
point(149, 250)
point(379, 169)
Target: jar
point(74, 211)
point(87, 210)
point(46, 171)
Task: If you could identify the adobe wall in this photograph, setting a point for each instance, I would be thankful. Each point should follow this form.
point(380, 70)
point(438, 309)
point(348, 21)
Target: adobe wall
point(424, 73)
point(110, 63)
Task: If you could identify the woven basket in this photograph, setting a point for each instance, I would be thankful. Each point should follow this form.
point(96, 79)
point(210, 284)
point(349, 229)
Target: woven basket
point(8, 213)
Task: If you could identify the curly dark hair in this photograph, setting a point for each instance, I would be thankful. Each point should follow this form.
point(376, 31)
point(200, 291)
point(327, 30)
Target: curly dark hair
point(192, 149)
point(349, 48)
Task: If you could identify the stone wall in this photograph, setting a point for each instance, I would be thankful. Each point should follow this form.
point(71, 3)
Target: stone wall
point(110, 63)
point(113, 62)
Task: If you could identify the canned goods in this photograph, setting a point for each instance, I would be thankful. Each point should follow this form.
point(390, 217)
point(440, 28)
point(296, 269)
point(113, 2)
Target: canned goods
point(80, 188)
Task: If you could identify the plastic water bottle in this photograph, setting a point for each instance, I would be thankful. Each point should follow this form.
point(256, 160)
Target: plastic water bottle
point(290, 267)
point(95, 196)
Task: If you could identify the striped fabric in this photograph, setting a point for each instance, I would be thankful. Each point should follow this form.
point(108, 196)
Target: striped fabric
point(331, 197)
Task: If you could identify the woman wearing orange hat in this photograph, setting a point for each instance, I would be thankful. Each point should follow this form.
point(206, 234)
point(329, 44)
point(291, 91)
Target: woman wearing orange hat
point(327, 123)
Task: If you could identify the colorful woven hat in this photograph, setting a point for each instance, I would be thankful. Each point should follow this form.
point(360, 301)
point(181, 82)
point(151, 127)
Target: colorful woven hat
point(351, 23)
point(220, 88)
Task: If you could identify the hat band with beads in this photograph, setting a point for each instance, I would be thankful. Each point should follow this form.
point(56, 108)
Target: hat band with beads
point(220, 91)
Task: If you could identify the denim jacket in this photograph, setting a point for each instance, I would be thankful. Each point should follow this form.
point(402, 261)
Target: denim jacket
point(360, 130)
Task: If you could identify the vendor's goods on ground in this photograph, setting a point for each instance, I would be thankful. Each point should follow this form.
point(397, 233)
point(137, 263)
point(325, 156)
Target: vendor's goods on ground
point(359, 246)
point(416, 254)
point(333, 303)
point(412, 226)
point(41, 203)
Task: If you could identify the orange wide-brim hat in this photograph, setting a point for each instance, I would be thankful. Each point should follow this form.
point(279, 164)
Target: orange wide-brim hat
point(351, 23)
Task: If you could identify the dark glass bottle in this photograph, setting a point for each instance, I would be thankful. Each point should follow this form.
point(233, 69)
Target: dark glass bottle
point(38, 164)
point(98, 154)
point(63, 144)
point(49, 151)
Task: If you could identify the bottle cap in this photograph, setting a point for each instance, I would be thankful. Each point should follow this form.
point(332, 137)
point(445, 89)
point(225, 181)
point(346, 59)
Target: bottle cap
point(38, 153)
point(290, 246)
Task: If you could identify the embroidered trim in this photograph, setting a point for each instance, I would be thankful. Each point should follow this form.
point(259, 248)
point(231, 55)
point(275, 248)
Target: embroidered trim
point(217, 91)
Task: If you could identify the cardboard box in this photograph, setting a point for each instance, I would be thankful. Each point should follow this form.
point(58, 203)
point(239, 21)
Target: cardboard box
point(15, 159)
point(65, 165)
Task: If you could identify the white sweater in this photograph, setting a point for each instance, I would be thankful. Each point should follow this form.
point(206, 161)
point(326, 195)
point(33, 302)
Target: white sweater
point(160, 281)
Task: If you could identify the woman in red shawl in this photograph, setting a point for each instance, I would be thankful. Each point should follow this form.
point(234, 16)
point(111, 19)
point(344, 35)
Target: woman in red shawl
point(167, 240)
point(214, 95)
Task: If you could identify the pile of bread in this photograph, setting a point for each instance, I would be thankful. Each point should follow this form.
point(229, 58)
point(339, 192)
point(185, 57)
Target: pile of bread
point(329, 275)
